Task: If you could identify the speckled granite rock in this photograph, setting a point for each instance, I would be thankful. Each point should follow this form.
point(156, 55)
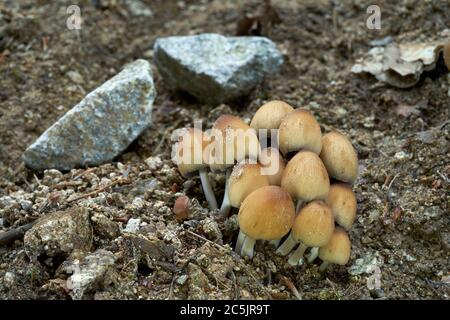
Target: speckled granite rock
point(101, 126)
point(214, 68)
point(59, 233)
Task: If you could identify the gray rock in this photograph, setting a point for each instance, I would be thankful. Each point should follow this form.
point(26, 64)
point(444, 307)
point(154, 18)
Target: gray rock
point(59, 233)
point(94, 272)
point(367, 264)
point(133, 225)
point(214, 68)
point(101, 126)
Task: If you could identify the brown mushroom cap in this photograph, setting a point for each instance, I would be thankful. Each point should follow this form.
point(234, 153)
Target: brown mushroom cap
point(447, 55)
point(305, 177)
point(244, 179)
point(237, 141)
point(267, 213)
point(300, 130)
point(272, 164)
point(270, 114)
point(189, 150)
point(339, 157)
point(314, 224)
point(342, 201)
point(338, 249)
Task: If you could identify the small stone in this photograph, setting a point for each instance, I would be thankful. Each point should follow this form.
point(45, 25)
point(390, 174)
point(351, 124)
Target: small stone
point(94, 272)
point(76, 77)
point(137, 8)
point(59, 233)
point(182, 279)
point(26, 205)
point(214, 68)
point(133, 225)
point(9, 279)
point(104, 227)
point(367, 264)
point(101, 126)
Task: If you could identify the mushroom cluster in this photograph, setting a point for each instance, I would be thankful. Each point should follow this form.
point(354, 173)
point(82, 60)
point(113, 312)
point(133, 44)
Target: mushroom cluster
point(296, 188)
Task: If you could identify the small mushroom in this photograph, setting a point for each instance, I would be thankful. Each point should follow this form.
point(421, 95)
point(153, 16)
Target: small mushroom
point(244, 179)
point(313, 227)
point(266, 214)
point(272, 164)
point(270, 114)
point(189, 156)
point(447, 55)
point(299, 130)
point(342, 201)
point(305, 178)
point(337, 250)
point(339, 157)
point(232, 140)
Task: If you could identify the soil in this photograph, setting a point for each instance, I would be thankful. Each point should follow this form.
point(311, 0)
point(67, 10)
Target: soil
point(401, 136)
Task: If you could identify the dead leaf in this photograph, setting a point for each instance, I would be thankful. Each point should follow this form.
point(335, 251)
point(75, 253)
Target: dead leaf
point(400, 65)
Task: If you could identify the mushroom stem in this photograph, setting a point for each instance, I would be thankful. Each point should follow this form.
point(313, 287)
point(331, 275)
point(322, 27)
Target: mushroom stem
point(287, 245)
point(239, 242)
point(297, 257)
point(298, 206)
point(247, 247)
point(275, 243)
point(207, 189)
point(225, 207)
point(313, 254)
point(324, 266)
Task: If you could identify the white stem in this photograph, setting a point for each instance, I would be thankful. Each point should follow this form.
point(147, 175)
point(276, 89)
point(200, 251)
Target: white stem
point(287, 245)
point(275, 243)
point(226, 206)
point(313, 254)
point(207, 189)
point(324, 266)
point(247, 247)
point(240, 241)
point(299, 205)
point(297, 257)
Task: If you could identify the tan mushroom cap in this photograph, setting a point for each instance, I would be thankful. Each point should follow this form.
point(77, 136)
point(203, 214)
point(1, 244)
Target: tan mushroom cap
point(338, 249)
point(270, 114)
point(305, 177)
point(339, 157)
point(272, 164)
point(267, 213)
point(244, 179)
point(342, 201)
point(189, 150)
point(233, 140)
point(300, 130)
point(447, 55)
point(314, 224)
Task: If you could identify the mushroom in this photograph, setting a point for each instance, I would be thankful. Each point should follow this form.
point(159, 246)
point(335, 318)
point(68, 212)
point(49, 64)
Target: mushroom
point(189, 156)
point(272, 164)
point(266, 214)
point(313, 227)
point(299, 130)
point(337, 250)
point(245, 178)
point(447, 55)
point(339, 157)
point(270, 114)
point(232, 140)
point(305, 178)
point(342, 201)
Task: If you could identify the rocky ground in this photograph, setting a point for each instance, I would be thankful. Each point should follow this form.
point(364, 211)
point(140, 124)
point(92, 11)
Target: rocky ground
point(119, 215)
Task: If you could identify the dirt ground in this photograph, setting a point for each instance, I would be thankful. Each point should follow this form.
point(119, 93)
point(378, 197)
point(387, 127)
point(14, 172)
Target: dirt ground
point(402, 190)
